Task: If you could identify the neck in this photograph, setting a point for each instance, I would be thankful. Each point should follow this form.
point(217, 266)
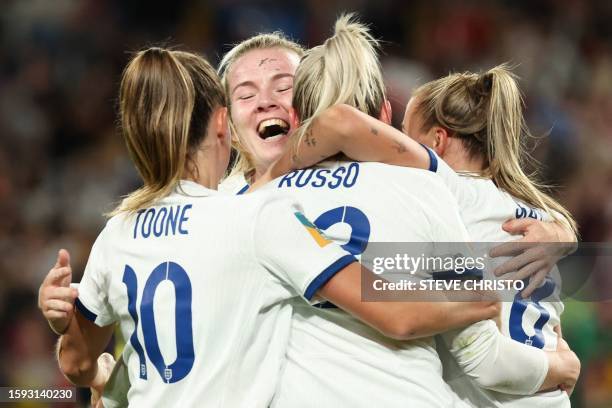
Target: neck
point(461, 161)
point(205, 180)
point(255, 174)
point(200, 171)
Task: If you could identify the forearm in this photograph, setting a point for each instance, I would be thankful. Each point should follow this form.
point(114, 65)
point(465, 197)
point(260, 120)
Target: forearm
point(304, 149)
point(364, 138)
point(431, 318)
point(399, 315)
point(497, 362)
point(564, 368)
point(79, 348)
point(344, 129)
point(74, 358)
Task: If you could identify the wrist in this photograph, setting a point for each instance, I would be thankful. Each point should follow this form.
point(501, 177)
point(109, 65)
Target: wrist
point(554, 374)
point(59, 328)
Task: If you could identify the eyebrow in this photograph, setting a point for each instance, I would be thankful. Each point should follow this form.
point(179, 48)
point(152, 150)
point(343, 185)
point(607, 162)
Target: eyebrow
point(275, 77)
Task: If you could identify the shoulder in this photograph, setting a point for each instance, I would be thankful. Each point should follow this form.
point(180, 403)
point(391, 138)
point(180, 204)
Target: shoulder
point(232, 184)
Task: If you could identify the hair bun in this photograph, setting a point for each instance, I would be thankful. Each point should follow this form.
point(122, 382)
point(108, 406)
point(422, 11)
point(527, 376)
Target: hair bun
point(484, 84)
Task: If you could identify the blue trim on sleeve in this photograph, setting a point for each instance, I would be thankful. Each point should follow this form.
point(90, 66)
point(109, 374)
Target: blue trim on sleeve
point(433, 159)
point(453, 275)
point(88, 314)
point(243, 190)
point(327, 274)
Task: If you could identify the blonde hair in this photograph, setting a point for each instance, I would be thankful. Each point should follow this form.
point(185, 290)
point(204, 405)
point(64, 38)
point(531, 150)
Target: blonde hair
point(486, 112)
point(244, 163)
point(343, 70)
point(166, 99)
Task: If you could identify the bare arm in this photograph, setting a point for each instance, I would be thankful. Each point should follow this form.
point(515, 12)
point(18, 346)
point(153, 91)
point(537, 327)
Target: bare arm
point(79, 349)
point(403, 320)
point(344, 129)
point(534, 255)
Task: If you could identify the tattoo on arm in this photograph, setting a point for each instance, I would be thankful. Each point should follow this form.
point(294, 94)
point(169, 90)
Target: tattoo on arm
point(309, 139)
point(295, 160)
point(400, 147)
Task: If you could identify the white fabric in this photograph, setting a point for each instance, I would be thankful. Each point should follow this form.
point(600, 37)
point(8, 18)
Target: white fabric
point(334, 360)
point(484, 208)
point(243, 258)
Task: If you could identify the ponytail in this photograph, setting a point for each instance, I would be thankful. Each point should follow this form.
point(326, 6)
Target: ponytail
point(486, 112)
point(343, 70)
point(165, 101)
point(507, 156)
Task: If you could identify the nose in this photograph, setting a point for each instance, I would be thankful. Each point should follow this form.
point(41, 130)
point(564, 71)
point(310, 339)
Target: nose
point(266, 102)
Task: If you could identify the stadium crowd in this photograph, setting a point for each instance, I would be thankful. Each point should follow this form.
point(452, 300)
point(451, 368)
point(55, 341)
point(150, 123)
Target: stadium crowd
point(63, 165)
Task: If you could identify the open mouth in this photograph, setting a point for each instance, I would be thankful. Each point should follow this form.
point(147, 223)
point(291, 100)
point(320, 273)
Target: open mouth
point(272, 127)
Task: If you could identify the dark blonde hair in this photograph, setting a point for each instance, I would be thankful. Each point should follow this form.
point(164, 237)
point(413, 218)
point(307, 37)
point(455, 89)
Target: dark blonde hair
point(485, 111)
point(343, 70)
point(244, 163)
point(166, 100)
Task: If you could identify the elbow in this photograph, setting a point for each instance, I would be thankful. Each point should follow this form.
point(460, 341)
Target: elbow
point(77, 373)
point(79, 370)
point(401, 328)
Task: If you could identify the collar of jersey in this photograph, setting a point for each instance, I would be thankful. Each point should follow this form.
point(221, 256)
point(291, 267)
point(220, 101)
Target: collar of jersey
point(191, 188)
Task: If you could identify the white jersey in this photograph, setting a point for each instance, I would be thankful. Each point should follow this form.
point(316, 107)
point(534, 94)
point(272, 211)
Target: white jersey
point(334, 360)
point(199, 285)
point(234, 184)
point(484, 208)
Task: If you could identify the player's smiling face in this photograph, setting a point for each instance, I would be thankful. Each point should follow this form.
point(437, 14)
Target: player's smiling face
point(261, 88)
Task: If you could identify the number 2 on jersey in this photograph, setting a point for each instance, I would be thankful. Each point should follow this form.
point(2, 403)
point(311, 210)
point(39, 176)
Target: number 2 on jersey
point(185, 355)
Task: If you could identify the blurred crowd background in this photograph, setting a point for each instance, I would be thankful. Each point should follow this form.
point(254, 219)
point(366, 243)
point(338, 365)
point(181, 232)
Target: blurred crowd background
point(63, 163)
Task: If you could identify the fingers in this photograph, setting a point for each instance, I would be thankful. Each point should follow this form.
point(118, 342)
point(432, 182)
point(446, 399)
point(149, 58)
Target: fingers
point(518, 226)
point(512, 248)
point(517, 262)
point(106, 361)
point(52, 315)
point(535, 282)
point(68, 294)
point(55, 305)
point(60, 276)
point(63, 258)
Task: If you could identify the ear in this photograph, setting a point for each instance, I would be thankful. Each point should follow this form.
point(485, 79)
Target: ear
point(441, 140)
point(293, 118)
point(221, 125)
point(386, 113)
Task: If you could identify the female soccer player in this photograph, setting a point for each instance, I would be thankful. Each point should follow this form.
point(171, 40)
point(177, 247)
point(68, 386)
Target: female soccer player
point(475, 124)
point(199, 282)
point(257, 76)
point(384, 204)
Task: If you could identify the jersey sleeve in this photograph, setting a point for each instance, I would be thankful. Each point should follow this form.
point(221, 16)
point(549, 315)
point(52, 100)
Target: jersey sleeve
point(453, 181)
point(92, 301)
point(293, 249)
point(495, 361)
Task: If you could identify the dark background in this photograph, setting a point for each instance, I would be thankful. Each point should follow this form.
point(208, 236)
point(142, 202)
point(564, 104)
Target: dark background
point(63, 163)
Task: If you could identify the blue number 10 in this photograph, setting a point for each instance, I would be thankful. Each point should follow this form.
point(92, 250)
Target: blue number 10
point(174, 273)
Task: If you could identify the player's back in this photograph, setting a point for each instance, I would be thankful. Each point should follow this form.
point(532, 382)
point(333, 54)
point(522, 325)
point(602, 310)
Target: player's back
point(204, 321)
point(484, 208)
point(333, 359)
